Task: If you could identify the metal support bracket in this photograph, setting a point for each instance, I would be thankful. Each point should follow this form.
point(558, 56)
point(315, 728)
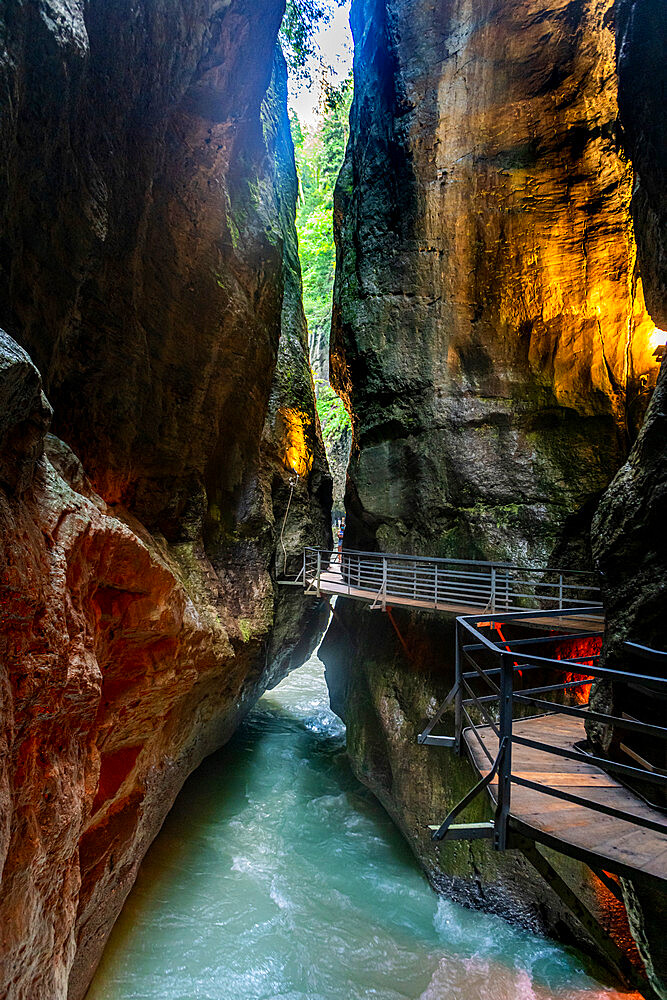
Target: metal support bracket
point(441, 831)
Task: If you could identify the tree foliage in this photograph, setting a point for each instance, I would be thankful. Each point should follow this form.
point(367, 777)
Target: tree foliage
point(297, 33)
point(319, 157)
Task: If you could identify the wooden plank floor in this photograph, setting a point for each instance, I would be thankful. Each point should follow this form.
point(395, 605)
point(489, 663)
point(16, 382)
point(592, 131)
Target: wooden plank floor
point(617, 843)
point(332, 582)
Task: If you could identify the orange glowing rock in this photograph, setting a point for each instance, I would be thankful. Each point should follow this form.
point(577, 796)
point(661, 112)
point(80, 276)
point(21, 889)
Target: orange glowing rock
point(293, 428)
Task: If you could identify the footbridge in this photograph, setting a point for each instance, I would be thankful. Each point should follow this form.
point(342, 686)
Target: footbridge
point(527, 657)
point(458, 586)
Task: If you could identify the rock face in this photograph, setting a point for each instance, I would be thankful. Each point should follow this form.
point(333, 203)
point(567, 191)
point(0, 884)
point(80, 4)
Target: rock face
point(489, 325)
point(641, 36)
point(629, 537)
point(148, 267)
point(491, 337)
point(338, 455)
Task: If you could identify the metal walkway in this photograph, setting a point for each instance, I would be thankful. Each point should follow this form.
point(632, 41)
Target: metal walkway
point(530, 640)
point(455, 585)
point(520, 714)
point(543, 814)
point(528, 644)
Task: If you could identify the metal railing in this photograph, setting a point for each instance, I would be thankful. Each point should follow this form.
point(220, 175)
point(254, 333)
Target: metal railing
point(430, 582)
point(504, 667)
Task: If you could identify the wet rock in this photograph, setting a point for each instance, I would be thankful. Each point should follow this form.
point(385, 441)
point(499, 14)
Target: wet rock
point(629, 537)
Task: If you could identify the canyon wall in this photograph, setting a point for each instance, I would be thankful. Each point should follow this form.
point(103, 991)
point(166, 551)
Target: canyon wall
point(489, 326)
point(492, 341)
point(151, 297)
point(630, 542)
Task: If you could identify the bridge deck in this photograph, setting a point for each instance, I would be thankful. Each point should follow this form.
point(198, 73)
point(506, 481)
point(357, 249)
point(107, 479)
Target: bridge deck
point(331, 581)
point(612, 844)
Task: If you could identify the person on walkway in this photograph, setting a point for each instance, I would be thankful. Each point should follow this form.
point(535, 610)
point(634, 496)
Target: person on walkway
point(341, 533)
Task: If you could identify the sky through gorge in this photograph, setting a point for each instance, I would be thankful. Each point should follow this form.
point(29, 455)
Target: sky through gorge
point(334, 59)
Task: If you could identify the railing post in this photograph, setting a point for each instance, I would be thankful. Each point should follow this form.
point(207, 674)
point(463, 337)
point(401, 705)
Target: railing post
point(560, 591)
point(505, 748)
point(493, 590)
point(435, 586)
point(319, 571)
point(305, 582)
point(384, 583)
point(458, 697)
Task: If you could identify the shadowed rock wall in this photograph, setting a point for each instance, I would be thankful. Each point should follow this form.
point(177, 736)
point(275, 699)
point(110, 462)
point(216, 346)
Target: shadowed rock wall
point(148, 266)
point(630, 541)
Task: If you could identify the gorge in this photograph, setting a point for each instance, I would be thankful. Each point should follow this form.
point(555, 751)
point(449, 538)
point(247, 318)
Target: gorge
point(499, 294)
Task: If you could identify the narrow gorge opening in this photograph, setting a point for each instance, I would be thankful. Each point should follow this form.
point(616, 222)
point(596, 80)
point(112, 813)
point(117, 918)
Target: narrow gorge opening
point(320, 96)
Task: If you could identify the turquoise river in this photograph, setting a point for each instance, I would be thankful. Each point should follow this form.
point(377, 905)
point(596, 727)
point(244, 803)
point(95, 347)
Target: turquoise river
point(276, 875)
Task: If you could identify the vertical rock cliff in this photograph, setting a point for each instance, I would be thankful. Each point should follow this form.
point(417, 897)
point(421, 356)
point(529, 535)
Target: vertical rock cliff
point(490, 328)
point(491, 337)
point(630, 542)
point(148, 268)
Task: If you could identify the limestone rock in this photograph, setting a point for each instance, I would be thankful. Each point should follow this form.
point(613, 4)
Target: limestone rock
point(141, 261)
point(489, 323)
point(630, 542)
point(490, 335)
point(24, 415)
point(148, 265)
point(641, 40)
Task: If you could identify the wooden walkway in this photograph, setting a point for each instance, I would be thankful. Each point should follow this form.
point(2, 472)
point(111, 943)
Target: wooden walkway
point(584, 809)
point(614, 845)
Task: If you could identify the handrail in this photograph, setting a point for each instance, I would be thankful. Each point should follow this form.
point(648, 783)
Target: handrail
point(646, 651)
point(380, 578)
point(472, 794)
point(507, 662)
point(462, 562)
point(501, 619)
point(559, 793)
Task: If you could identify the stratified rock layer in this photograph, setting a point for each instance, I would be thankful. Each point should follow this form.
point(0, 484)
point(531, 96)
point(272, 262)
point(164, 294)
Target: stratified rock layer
point(148, 265)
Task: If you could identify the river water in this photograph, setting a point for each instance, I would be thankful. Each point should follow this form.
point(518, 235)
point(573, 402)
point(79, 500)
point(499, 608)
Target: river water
point(276, 875)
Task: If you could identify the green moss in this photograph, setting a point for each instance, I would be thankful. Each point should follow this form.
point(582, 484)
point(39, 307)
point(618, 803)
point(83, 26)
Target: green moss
point(244, 629)
point(334, 418)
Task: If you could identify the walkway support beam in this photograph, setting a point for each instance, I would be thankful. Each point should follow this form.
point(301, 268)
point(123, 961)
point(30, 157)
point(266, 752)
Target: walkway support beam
point(505, 771)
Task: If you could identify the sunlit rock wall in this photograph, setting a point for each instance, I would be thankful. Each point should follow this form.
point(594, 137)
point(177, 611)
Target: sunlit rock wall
point(491, 336)
point(489, 322)
point(148, 266)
